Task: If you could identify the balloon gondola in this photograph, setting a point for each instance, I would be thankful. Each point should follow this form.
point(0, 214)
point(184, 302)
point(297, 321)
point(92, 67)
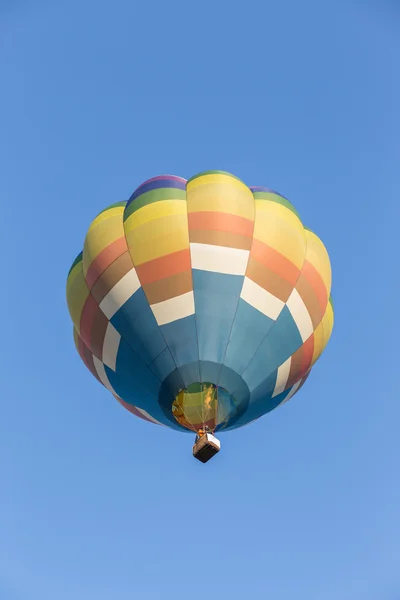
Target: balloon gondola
point(201, 305)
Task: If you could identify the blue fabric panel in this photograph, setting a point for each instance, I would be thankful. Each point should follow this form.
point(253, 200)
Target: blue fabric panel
point(131, 367)
point(132, 395)
point(181, 339)
point(234, 384)
point(249, 329)
point(282, 340)
point(210, 371)
point(258, 407)
point(163, 365)
point(216, 299)
point(136, 323)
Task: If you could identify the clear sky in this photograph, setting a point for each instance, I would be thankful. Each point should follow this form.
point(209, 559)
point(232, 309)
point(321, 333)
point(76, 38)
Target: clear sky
point(96, 97)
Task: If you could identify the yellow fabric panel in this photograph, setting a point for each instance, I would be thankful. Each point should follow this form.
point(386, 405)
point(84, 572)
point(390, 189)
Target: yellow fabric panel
point(318, 257)
point(279, 210)
point(215, 178)
point(158, 238)
point(318, 342)
point(73, 275)
point(327, 322)
point(323, 333)
point(107, 230)
point(107, 214)
point(156, 210)
point(76, 339)
point(77, 294)
point(219, 193)
point(281, 232)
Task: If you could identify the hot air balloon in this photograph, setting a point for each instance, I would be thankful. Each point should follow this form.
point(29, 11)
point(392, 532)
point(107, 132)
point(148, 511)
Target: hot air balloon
point(201, 305)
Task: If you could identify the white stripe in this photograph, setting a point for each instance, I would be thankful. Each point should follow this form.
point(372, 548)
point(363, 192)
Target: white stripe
point(110, 347)
point(174, 308)
point(282, 377)
point(260, 299)
point(300, 315)
point(292, 392)
point(219, 259)
point(120, 293)
point(101, 372)
point(146, 414)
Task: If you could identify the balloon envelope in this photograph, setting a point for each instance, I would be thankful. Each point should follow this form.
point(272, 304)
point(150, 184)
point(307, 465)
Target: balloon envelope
point(201, 303)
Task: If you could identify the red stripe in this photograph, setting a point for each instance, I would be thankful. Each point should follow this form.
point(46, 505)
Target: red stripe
point(308, 351)
point(305, 353)
point(87, 319)
point(87, 358)
point(303, 381)
point(104, 260)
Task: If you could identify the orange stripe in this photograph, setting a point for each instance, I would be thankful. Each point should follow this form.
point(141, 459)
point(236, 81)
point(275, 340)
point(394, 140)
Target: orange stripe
point(315, 280)
point(275, 261)
point(218, 221)
point(164, 266)
point(104, 260)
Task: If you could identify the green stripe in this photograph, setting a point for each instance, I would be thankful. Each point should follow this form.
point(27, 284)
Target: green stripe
point(204, 173)
point(331, 303)
point(276, 198)
point(156, 195)
point(76, 261)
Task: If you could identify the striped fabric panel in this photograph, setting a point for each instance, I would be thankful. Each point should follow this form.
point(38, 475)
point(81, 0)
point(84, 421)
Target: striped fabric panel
point(219, 192)
point(276, 255)
point(104, 243)
point(318, 257)
point(77, 292)
point(314, 282)
point(300, 362)
point(114, 282)
point(221, 221)
point(158, 188)
point(300, 315)
point(86, 355)
point(98, 334)
point(279, 228)
point(102, 373)
point(323, 332)
point(93, 363)
point(93, 309)
point(157, 234)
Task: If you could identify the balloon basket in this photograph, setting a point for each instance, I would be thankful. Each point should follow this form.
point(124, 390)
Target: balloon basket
point(206, 447)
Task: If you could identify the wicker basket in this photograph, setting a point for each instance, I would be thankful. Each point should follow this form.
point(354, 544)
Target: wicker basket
point(206, 447)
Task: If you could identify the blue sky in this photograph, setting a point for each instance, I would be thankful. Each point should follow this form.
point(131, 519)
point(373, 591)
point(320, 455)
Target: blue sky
point(96, 97)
